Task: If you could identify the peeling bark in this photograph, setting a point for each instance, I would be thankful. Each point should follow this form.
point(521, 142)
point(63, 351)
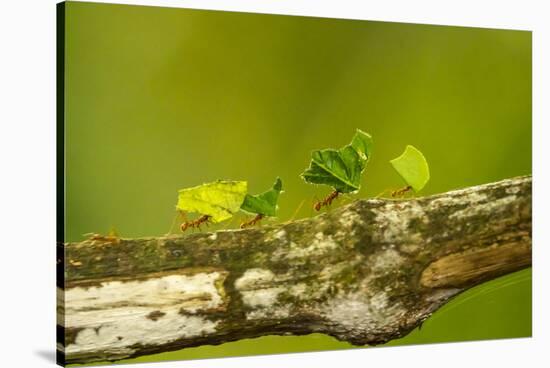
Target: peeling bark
point(365, 273)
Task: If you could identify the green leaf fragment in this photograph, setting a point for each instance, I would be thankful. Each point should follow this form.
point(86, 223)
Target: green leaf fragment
point(219, 200)
point(412, 167)
point(341, 169)
point(264, 203)
point(362, 143)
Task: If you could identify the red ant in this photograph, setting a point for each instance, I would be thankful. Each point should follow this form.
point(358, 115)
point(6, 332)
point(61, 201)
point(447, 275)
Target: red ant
point(252, 222)
point(327, 201)
point(401, 192)
point(204, 219)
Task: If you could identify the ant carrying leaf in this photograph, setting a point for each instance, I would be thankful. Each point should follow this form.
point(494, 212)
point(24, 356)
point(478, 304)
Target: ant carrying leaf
point(195, 224)
point(215, 202)
point(341, 169)
point(264, 204)
point(413, 168)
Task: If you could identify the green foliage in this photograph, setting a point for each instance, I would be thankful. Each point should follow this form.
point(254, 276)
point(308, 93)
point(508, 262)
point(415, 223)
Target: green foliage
point(219, 200)
point(342, 168)
point(412, 167)
point(264, 203)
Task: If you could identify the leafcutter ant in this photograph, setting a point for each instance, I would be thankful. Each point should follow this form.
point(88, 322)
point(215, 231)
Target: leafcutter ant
point(327, 201)
point(401, 192)
point(204, 219)
point(252, 222)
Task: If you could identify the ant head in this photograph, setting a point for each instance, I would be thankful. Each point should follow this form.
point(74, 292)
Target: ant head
point(317, 206)
point(184, 226)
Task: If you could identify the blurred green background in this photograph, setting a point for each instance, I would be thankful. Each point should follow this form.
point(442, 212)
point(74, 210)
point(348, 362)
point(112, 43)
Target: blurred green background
point(159, 99)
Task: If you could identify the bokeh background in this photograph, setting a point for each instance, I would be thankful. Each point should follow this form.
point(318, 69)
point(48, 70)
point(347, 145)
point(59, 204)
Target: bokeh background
point(159, 99)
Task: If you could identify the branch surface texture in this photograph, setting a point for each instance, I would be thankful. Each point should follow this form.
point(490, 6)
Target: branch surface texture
point(365, 273)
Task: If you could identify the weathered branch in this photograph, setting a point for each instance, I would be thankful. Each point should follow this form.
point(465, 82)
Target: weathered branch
point(365, 273)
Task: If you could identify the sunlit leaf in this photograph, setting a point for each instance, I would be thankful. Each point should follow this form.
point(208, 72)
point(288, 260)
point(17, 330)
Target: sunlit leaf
point(220, 199)
point(412, 167)
point(342, 168)
point(264, 203)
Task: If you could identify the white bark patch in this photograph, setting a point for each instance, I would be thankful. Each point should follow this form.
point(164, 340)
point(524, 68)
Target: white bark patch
point(256, 287)
point(489, 207)
point(394, 220)
point(350, 218)
point(442, 202)
point(116, 315)
point(298, 290)
point(279, 235)
point(132, 327)
point(386, 261)
point(513, 190)
point(254, 278)
point(358, 312)
point(321, 244)
point(262, 297)
point(457, 197)
point(190, 292)
point(475, 197)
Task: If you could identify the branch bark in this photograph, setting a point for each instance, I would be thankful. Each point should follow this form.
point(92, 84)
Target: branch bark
point(365, 273)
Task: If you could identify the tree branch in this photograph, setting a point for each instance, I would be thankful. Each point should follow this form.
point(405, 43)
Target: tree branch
point(364, 273)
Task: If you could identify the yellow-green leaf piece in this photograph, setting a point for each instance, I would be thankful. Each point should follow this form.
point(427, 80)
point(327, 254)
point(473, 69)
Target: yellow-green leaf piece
point(412, 167)
point(219, 200)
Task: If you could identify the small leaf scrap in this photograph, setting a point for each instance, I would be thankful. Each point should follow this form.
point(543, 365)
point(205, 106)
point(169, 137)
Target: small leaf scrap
point(342, 168)
point(412, 167)
point(219, 200)
point(265, 203)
